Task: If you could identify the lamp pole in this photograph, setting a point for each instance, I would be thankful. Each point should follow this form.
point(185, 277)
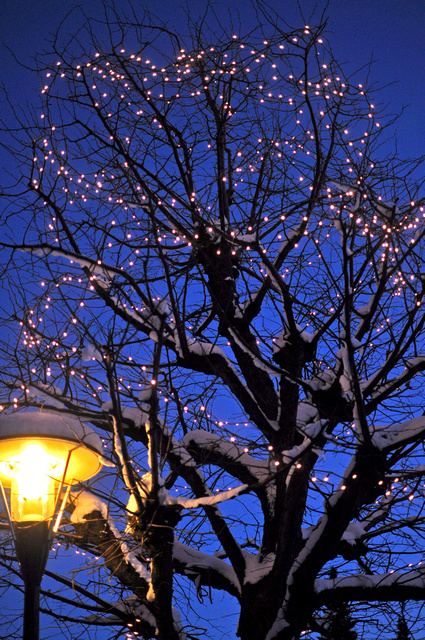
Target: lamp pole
point(32, 544)
point(41, 456)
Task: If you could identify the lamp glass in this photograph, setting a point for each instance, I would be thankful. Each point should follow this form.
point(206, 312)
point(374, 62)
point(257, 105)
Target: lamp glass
point(33, 488)
point(33, 468)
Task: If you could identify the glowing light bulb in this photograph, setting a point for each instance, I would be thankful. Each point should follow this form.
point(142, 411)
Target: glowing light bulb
point(31, 475)
point(33, 485)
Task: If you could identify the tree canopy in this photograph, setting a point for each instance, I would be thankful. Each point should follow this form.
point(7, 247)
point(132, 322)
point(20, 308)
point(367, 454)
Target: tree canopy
point(214, 256)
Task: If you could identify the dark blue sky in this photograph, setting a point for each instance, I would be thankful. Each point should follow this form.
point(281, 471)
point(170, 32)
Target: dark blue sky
point(389, 31)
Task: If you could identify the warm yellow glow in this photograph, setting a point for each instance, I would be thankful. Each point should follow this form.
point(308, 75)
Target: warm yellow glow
point(39, 455)
point(83, 463)
point(33, 486)
point(32, 473)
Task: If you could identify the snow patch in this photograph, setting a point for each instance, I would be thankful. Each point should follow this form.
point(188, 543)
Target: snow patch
point(256, 570)
point(138, 416)
point(354, 532)
point(258, 468)
point(395, 434)
point(84, 504)
point(411, 579)
point(90, 353)
point(195, 560)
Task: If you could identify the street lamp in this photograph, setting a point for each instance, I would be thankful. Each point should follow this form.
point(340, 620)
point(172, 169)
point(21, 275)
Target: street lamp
point(41, 456)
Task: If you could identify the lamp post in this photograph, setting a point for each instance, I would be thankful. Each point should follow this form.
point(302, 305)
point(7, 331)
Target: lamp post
point(41, 456)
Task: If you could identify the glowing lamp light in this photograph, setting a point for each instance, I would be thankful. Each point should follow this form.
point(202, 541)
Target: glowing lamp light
point(41, 456)
point(32, 492)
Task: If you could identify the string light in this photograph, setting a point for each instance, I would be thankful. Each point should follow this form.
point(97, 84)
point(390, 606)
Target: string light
point(112, 93)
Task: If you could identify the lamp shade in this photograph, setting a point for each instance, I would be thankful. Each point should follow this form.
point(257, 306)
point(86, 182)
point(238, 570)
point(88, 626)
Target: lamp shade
point(58, 436)
point(39, 453)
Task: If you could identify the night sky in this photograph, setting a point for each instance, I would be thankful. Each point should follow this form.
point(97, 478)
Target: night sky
point(391, 32)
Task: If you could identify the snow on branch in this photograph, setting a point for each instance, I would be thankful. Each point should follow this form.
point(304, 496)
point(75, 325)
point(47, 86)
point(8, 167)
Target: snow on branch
point(151, 322)
point(306, 414)
point(201, 348)
point(286, 337)
point(85, 503)
point(138, 416)
point(349, 192)
point(46, 392)
point(196, 564)
point(256, 567)
point(90, 353)
point(150, 319)
point(377, 393)
point(357, 531)
point(387, 437)
point(230, 452)
point(354, 532)
point(44, 249)
point(348, 189)
point(322, 382)
point(128, 606)
point(387, 586)
point(208, 358)
point(132, 606)
point(195, 503)
point(256, 360)
point(165, 498)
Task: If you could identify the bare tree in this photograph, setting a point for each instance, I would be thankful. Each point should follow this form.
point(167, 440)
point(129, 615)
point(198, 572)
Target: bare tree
point(213, 254)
